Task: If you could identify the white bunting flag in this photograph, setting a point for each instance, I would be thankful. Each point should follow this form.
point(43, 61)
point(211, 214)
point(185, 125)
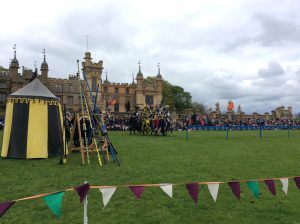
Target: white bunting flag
point(168, 189)
point(107, 193)
point(285, 184)
point(213, 189)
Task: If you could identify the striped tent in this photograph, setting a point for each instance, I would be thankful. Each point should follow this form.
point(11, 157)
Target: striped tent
point(33, 124)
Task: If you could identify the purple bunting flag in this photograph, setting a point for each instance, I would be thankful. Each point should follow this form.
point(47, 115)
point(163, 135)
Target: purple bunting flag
point(137, 190)
point(235, 187)
point(4, 206)
point(271, 186)
point(82, 191)
point(193, 189)
point(297, 180)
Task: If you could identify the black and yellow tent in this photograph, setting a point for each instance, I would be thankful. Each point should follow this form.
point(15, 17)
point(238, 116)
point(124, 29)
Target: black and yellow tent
point(33, 124)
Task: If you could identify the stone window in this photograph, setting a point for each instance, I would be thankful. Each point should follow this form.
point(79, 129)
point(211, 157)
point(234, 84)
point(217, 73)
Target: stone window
point(71, 88)
point(105, 89)
point(2, 97)
point(116, 90)
point(3, 85)
point(58, 87)
point(127, 105)
point(94, 84)
point(61, 99)
point(127, 90)
point(116, 107)
point(149, 100)
point(70, 100)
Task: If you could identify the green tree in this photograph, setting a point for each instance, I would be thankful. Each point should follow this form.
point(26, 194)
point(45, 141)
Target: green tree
point(166, 95)
point(182, 99)
point(173, 96)
point(2, 69)
point(198, 108)
point(176, 97)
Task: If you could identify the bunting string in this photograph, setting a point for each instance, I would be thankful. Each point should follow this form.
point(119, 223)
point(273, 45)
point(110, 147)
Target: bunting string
point(158, 185)
point(54, 199)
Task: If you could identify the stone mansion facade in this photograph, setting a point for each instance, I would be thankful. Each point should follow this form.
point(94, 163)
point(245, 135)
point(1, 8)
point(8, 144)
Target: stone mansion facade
point(126, 96)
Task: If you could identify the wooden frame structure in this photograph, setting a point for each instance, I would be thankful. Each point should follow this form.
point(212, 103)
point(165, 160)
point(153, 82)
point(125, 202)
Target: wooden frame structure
point(93, 147)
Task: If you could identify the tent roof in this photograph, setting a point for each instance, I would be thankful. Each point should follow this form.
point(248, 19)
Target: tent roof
point(34, 89)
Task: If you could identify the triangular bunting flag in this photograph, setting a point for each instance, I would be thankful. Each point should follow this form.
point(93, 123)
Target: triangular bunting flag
point(285, 184)
point(213, 189)
point(82, 191)
point(54, 202)
point(168, 189)
point(253, 186)
point(193, 189)
point(137, 190)
point(271, 186)
point(235, 187)
point(107, 193)
point(297, 181)
point(4, 206)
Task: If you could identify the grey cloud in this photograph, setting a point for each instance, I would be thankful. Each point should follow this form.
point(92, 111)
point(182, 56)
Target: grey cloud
point(274, 69)
point(189, 54)
point(268, 82)
point(298, 72)
point(106, 26)
point(275, 31)
point(269, 96)
point(227, 87)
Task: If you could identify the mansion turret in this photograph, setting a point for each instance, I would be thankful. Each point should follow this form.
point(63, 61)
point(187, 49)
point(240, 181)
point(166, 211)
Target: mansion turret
point(127, 96)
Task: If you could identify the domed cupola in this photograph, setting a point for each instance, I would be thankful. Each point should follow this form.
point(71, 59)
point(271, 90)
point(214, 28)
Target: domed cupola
point(44, 65)
point(14, 62)
point(106, 80)
point(158, 73)
point(139, 74)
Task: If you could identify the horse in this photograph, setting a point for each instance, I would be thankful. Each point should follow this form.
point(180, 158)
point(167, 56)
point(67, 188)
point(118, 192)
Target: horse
point(147, 126)
point(169, 126)
point(159, 126)
point(135, 124)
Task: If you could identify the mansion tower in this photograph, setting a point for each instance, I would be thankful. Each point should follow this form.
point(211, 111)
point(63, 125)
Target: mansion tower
point(127, 96)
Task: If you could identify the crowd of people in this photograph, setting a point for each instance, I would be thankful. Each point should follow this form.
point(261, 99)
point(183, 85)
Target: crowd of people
point(116, 123)
point(204, 120)
point(120, 123)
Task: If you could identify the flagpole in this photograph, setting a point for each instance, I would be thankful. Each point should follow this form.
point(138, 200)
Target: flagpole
point(65, 136)
point(187, 134)
point(227, 132)
point(85, 203)
point(260, 132)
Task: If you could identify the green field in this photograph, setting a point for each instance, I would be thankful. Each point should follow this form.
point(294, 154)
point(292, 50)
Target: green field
point(206, 156)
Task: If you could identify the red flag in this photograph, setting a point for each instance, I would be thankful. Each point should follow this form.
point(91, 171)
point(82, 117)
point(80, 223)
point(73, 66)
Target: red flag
point(230, 106)
point(113, 100)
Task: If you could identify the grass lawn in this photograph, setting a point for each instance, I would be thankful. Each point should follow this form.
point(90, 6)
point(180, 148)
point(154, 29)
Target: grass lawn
point(206, 156)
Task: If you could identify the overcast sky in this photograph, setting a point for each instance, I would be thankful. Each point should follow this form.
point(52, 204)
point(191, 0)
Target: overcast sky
point(245, 51)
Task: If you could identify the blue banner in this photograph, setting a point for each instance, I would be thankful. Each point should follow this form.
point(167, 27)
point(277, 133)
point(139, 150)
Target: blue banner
point(244, 128)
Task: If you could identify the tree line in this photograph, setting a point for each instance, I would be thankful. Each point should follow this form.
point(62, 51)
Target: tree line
point(177, 98)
